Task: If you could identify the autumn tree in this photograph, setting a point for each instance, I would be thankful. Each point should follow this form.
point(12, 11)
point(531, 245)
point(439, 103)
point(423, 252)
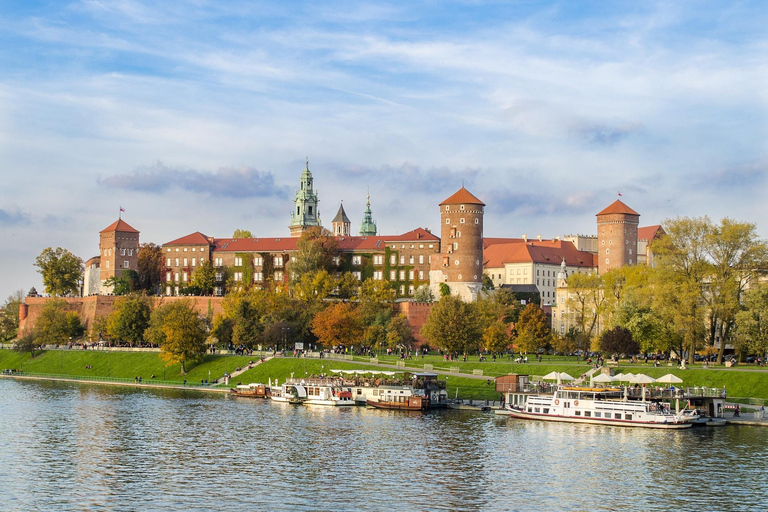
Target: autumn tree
point(242, 233)
point(453, 325)
point(62, 271)
point(752, 322)
point(57, 326)
point(246, 311)
point(496, 338)
point(399, 333)
point(179, 331)
point(316, 250)
point(338, 324)
point(204, 278)
point(129, 318)
point(586, 300)
point(9, 315)
point(533, 331)
point(150, 268)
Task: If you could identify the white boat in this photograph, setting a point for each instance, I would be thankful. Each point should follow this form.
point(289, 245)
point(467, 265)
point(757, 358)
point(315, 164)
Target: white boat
point(384, 386)
point(327, 392)
point(289, 393)
point(604, 406)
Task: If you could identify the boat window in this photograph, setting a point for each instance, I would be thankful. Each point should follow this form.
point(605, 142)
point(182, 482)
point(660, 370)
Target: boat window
point(537, 409)
point(598, 415)
point(617, 416)
point(627, 416)
point(587, 413)
point(530, 409)
point(546, 411)
point(578, 413)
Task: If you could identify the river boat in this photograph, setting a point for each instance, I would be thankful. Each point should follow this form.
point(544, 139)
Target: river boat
point(327, 392)
point(400, 402)
point(386, 384)
point(289, 393)
point(252, 390)
point(605, 406)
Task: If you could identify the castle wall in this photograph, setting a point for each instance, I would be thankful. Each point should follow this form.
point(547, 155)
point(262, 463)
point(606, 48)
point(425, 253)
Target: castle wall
point(416, 313)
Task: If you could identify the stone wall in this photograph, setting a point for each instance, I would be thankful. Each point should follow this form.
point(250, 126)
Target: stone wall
point(416, 313)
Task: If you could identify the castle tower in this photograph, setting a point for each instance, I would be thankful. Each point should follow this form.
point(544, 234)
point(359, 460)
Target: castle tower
point(118, 251)
point(305, 212)
point(460, 261)
point(341, 224)
point(368, 226)
point(616, 237)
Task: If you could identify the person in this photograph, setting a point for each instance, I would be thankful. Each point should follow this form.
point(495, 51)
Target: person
point(737, 411)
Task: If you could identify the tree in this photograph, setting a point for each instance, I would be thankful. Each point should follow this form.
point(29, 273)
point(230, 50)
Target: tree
point(399, 333)
point(376, 299)
point(124, 284)
point(150, 267)
point(338, 324)
point(179, 331)
point(28, 343)
point(453, 325)
point(752, 322)
point(423, 294)
point(62, 271)
point(496, 338)
point(242, 233)
point(315, 250)
point(246, 311)
point(586, 300)
point(204, 278)
point(129, 318)
point(618, 341)
point(9, 315)
point(222, 330)
point(445, 290)
point(55, 325)
point(533, 329)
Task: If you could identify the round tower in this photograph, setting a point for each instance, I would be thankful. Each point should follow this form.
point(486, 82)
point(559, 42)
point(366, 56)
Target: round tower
point(460, 261)
point(616, 237)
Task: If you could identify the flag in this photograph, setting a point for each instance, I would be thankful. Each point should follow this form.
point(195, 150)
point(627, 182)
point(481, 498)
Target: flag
point(123, 209)
point(619, 196)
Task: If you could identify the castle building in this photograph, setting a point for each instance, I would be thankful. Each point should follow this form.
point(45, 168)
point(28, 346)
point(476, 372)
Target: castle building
point(460, 262)
point(617, 227)
point(341, 224)
point(306, 213)
point(118, 252)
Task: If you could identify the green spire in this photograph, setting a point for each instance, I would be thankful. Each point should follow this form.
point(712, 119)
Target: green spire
point(305, 210)
point(368, 226)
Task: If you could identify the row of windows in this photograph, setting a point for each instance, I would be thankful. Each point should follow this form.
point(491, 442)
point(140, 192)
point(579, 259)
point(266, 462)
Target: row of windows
point(461, 221)
point(194, 249)
point(378, 259)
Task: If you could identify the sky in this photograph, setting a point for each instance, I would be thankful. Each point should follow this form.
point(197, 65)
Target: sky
point(198, 115)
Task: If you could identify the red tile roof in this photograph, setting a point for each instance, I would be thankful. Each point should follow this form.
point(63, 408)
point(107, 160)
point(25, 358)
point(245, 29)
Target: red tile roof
point(196, 238)
point(119, 225)
point(649, 232)
point(537, 252)
point(463, 196)
point(618, 207)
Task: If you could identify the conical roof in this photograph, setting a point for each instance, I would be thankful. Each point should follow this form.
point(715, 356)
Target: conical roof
point(618, 207)
point(462, 196)
point(121, 226)
point(341, 215)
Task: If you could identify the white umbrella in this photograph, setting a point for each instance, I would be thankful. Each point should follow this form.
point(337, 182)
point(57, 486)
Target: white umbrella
point(669, 378)
point(550, 376)
point(642, 378)
point(565, 376)
point(603, 378)
point(627, 377)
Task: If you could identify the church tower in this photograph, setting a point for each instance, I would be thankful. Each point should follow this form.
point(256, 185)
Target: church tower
point(368, 226)
point(616, 237)
point(460, 261)
point(305, 211)
point(119, 251)
point(341, 224)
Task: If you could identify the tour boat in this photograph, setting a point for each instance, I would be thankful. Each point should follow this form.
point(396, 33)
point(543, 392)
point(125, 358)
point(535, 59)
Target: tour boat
point(366, 389)
point(604, 406)
point(399, 402)
point(327, 392)
point(289, 393)
point(253, 390)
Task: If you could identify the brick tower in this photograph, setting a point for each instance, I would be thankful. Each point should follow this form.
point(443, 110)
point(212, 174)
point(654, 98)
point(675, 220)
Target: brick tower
point(119, 251)
point(460, 261)
point(616, 237)
point(341, 224)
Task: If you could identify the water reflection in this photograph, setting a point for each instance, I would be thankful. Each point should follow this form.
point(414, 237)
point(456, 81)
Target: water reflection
point(69, 447)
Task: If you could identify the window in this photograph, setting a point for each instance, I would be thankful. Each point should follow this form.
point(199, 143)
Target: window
point(336, 261)
point(107, 263)
point(358, 275)
point(217, 262)
point(357, 260)
point(126, 264)
point(169, 250)
point(184, 277)
point(421, 275)
point(447, 208)
point(278, 276)
point(237, 276)
point(168, 277)
point(168, 262)
point(257, 261)
point(402, 275)
point(393, 260)
point(194, 262)
point(402, 289)
point(607, 251)
point(378, 259)
point(194, 249)
point(168, 288)
point(461, 220)
point(177, 249)
point(392, 275)
point(378, 275)
point(431, 246)
point(455, 246)
point(410, 275)
point(607, 261)
point(447, 221)
point(421, 259)
point(238, 261)
point(278, 261)
point(411, 259)
point(122, 252)
point(219, 276)
point(402, 259)
point(186, 263)
point(177, 261)
point(176, 277)
point(411, 289)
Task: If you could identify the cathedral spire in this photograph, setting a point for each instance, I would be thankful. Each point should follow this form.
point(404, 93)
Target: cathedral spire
point(305, 205)
point(368, 226)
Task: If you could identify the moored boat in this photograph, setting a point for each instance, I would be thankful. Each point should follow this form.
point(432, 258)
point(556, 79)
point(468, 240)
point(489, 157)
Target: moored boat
point(289, 393)
point(252, 390)
point(604, 406)
point(401, 402)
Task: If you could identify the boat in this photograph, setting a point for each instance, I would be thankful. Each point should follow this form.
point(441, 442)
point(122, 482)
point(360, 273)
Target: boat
point(252, 390)
point(400, 402)
point(289, 393)
point(326, 391)
point(605, 406)
point(366, 388)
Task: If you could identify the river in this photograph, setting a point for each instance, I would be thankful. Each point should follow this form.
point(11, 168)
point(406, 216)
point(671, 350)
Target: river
point(69, 447)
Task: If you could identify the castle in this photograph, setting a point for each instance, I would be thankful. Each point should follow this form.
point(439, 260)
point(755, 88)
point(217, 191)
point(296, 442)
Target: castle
point(457, 259)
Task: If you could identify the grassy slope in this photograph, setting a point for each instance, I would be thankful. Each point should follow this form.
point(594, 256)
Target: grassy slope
point(739, 381)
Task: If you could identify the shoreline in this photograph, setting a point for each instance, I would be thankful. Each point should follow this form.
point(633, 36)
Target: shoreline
point(206, 389)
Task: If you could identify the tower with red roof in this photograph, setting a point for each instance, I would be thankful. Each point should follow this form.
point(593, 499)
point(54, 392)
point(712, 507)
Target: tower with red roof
point(460, 261)
point(118, 251)
point(616, 237)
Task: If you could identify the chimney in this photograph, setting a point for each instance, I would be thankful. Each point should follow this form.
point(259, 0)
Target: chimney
point(538, 237)
point(525, 238)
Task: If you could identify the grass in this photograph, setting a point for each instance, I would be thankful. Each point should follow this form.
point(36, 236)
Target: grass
point(740, 381)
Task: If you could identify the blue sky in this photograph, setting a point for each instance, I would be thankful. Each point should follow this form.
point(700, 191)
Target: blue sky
point(198, 115)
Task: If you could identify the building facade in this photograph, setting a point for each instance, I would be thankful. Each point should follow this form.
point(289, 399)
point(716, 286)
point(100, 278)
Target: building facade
point(617, 227)
point(118, 252)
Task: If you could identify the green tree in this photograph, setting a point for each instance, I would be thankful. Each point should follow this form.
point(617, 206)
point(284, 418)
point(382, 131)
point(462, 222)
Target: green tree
point(9, 315)
point(618, 340)
point(496, 338)
point(55, 325)
point(179, 331)
point(124, 284)
point(315, 250)
point(752, 322)
point(28, 343)
point(586, 300)
point(453, 325)
point(62, 271)
point(445, 290)
point(247, 311)
point(129, 318)
point(150, 268)
point(242, 233)
point(533, 329)
point(376, 299)
point(222, 330)
point(423, 294)
point(399, 333)
point(204, 278)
